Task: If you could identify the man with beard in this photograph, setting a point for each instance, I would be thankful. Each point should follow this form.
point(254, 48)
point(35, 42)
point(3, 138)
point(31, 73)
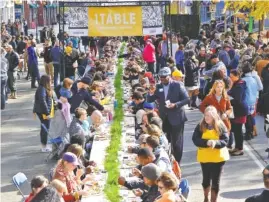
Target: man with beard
point(264, 196)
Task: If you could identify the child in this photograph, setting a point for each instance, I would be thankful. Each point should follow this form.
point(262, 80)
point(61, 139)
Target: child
point(65, 93)
point(37, 184)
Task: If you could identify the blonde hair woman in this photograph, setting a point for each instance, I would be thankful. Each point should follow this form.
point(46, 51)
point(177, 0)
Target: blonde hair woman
point(167, 185)
point(218, 98)
point(211, 138)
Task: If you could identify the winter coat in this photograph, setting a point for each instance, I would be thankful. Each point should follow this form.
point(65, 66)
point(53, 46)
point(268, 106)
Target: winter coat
point(43, 101)
point(76, 128)
point(191, 73)
point(56, 55)
point(179, 57)
point(13, 61)
point(151, 194)
point(206, 154)
point(252, 89)
point(221, 107)
point(32, 56)
point(265, 79)
point(149, 53)
point(224, 57)
point(47, 54)
point(238, 93)
point(4, 67)
point(83, 95)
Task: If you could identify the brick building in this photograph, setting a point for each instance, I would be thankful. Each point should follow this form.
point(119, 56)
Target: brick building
point(41, 12)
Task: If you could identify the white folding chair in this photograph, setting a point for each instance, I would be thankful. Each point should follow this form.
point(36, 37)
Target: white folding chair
point(19, 180)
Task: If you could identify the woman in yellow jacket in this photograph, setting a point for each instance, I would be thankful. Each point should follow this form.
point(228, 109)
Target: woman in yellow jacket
point(211, 138)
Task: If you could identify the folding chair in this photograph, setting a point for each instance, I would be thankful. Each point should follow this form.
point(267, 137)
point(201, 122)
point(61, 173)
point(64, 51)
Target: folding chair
point(56, 143)
point(19, 180)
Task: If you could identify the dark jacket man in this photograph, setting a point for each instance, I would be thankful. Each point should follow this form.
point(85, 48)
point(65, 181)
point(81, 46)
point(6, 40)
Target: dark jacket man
point(47, 54)
point(176, 94)
point(171, 96)
point(13, 61)
point(83, 95)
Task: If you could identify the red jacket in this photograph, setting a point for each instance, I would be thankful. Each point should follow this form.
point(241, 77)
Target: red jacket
point(149, 53)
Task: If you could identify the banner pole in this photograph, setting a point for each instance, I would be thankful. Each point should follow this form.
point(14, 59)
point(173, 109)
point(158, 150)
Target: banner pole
point(170, 25)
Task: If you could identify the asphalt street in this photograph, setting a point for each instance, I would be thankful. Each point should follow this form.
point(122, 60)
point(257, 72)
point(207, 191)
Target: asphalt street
point(20, 152)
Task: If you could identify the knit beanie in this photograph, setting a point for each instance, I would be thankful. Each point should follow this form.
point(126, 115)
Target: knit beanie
point(151, 171)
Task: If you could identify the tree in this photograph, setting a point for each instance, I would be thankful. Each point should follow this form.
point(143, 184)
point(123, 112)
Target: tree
point(259, 10)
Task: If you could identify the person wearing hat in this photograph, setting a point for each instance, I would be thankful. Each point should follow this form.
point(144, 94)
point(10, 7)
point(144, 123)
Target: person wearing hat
point(64, 173)
point(178, 76)
point(149, 55)
point(150, 173)
point(172, 96)
point(264, 196)
point(148, 107)
point(83, 94)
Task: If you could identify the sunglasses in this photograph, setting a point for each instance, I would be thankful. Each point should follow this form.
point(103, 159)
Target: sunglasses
point(266, 176)
point(163, 77)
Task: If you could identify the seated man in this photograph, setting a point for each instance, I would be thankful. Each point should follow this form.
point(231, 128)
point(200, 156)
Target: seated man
point(144, 157)
point(264, 196)
point(150, 173)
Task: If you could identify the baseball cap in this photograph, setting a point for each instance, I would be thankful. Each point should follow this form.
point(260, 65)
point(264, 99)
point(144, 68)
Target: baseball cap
point(85, 80)
point(68, 49)
point(165, 71)
point(70, 158)
point(177, 73)
point(148, 105)
point(151, 171)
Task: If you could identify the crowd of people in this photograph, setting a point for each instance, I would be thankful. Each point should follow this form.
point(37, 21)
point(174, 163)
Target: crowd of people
point(225, 76)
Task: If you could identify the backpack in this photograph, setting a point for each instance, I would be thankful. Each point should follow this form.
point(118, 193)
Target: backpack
point(175, 166)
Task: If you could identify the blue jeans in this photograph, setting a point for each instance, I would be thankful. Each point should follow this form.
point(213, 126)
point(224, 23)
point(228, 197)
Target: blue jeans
point(57, 68)
point(3, 93)
point(163, 61)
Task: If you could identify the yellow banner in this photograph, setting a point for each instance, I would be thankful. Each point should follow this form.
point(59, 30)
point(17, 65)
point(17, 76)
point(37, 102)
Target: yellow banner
point(115, 21)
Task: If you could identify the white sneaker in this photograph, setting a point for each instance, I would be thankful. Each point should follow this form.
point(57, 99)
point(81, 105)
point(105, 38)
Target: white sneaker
point(45, 150)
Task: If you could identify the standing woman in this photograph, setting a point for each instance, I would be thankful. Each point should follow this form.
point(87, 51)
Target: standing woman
point(240, 107)
point(43, 107)
point(192, 76)
point(218, 98)
point(33, 63)
point(211, 138)
point(149, 55)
